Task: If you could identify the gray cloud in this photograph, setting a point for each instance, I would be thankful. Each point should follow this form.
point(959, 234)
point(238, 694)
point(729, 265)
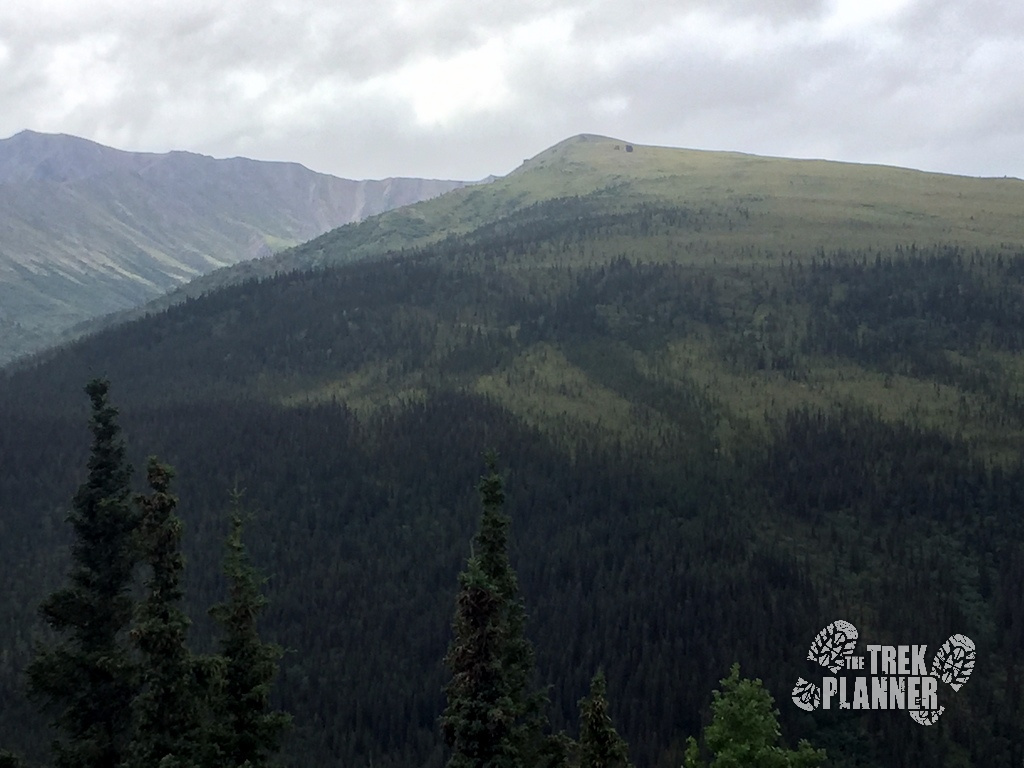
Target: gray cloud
point(458, 88)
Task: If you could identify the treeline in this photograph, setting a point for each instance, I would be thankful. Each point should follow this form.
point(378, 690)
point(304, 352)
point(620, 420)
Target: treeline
point(438, 319)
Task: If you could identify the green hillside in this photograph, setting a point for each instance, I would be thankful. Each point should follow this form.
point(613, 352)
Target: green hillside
point(772, 204)
point(736, 398)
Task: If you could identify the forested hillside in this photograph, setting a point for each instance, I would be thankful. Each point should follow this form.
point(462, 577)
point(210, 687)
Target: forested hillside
point(715, 444)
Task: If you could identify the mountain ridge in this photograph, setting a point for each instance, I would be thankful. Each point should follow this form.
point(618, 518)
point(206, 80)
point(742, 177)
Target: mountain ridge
point(61, 145)
point(814, 200)
point(91, 230)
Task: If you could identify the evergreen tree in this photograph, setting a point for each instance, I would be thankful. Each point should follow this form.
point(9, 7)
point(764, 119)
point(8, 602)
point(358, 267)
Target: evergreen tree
point(491, 545)
point(491, 718)
point(744, 731)
point(244, 730)
point(600, 745)
point(88, 678)
point(480, 720)
point(166, 731)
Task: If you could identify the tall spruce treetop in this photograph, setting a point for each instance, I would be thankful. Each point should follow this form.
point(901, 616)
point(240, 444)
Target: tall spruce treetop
point(245, 731)
point(600, 745)
point(490, 546)
point(88, 677)
point(492, 720)
point(167, 728)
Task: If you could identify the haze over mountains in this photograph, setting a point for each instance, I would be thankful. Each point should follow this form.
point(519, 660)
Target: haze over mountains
point(86, 230)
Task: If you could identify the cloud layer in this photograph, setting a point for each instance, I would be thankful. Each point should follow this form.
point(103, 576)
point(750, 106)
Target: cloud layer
point(458, 88)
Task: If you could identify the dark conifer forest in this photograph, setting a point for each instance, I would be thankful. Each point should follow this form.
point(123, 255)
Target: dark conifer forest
point(707, 455)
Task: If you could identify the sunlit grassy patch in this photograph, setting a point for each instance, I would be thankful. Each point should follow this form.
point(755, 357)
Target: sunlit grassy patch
point(364, 391)
point(757, 398)
point(547, 391)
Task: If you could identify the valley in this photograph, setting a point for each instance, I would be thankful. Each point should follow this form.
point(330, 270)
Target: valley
point(734, 399)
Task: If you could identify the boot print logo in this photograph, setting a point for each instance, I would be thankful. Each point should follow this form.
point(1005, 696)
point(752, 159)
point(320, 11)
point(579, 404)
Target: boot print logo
point(890, 677)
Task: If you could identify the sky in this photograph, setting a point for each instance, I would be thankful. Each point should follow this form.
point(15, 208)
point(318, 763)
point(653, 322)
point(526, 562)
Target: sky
point(463, 88)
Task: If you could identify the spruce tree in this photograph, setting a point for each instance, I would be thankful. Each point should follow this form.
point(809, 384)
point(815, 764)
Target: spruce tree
point(491, 546)
point(480, 720)
point(88, 678)
point(244, 731)
point(166, 729)
point(492, 720)
point(600, 745)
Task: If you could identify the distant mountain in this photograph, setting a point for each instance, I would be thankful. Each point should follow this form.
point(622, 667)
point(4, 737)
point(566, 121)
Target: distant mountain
point(86, 230)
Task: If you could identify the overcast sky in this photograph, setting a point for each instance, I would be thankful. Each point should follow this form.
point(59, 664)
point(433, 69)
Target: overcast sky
point(464, 88)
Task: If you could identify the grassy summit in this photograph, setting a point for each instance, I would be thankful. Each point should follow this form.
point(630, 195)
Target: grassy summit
point(750, 205)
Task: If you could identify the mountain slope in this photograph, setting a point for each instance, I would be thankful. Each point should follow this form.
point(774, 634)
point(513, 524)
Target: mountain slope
point(777, 205)
point(715, 447)
point(89, 230)
point(772, 206)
